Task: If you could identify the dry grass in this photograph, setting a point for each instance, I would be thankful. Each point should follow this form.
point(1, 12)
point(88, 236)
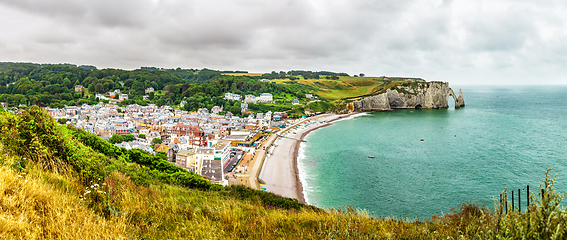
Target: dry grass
point(46, 205)
point(32, 209)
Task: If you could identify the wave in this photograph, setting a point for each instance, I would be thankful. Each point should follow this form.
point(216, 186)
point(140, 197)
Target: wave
point(352, 116)
point(304, 177)
point(301, 171)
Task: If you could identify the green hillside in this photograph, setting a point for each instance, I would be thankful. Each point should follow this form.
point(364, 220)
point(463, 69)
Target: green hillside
point(63, 183)
point(54, 85)
point(346, 87)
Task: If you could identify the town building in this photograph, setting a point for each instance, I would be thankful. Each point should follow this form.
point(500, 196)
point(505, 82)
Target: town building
point(202, 140)
point(250, 99)
point(266, 97)
point(232, 96)
point(244, 107)
point(79, 88)
point(186, 159)
point(243, 139)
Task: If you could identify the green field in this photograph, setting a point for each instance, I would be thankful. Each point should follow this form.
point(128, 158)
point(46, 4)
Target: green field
point(345, 87)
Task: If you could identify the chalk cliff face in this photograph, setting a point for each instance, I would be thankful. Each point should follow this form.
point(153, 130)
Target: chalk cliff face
point(420, 95)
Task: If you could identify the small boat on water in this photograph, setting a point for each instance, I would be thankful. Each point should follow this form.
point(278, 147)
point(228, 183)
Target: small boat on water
point(370, 156)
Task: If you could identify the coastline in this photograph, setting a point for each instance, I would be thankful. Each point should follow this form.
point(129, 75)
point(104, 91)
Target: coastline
point(281, 172)
point(298, 183)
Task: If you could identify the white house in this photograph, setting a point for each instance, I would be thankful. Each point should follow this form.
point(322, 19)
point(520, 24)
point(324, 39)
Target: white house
point(232, 96)
point(216, 109)
point(244, 107)
point(250, 99)
point(101, 97)
point(222, 150)
point(266, 97)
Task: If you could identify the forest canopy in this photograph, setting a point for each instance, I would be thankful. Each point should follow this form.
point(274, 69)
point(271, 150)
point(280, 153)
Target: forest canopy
point(54, 85)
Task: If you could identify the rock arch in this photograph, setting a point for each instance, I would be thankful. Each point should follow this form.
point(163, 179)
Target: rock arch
point(430, 95)
point(459, 101)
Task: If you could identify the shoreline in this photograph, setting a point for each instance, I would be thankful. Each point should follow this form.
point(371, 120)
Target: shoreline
point(281, 171)
point(298, 183)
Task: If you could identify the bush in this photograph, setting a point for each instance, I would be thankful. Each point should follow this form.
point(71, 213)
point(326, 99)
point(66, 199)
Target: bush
point(36, 137)
point(156, 141)
point(116, 139)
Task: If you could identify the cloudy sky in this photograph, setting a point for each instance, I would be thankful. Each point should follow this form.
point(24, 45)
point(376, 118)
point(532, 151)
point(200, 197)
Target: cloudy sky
point(463, 42)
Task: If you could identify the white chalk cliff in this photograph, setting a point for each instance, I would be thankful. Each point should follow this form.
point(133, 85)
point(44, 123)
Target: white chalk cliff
point(431, 95)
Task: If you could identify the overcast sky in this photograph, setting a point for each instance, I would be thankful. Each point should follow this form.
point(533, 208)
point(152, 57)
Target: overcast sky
point(462, 42)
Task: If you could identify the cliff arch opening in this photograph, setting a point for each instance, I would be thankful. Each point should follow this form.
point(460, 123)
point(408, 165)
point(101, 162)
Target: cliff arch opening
point(452, 104)
point(418, 106)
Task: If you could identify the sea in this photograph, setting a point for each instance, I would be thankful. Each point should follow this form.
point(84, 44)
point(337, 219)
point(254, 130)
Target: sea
point(416, 163)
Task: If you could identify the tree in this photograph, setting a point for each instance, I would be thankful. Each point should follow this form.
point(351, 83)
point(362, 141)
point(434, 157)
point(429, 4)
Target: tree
point(99, 88)
point(66, 82)
point(129, 138)
point(236, 110)
point(116, 139)
point(156, 141)
point(142, 136)
point(62, 120)
point(361, 74)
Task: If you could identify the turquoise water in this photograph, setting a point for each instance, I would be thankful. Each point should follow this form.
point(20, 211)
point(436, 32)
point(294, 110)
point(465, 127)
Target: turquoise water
point(505, 136)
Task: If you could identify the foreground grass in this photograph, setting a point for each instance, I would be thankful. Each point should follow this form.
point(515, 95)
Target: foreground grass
point(45, 205)
point(32, 208)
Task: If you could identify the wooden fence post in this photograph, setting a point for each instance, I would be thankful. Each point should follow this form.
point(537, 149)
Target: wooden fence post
point(519, 201)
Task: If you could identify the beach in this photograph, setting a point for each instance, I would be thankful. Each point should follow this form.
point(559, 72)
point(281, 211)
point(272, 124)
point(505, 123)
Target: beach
point(279, 172)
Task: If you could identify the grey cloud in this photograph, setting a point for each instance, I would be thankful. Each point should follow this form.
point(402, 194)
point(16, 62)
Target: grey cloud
point(107, 13)
point(500, 33)
point(409, 38)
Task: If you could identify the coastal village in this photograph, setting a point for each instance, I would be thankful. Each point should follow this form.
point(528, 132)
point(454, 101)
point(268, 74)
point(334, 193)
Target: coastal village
point(219, 147)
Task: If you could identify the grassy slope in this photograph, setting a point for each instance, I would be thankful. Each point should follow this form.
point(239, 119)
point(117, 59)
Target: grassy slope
point(346, 87)
point(48, 194)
